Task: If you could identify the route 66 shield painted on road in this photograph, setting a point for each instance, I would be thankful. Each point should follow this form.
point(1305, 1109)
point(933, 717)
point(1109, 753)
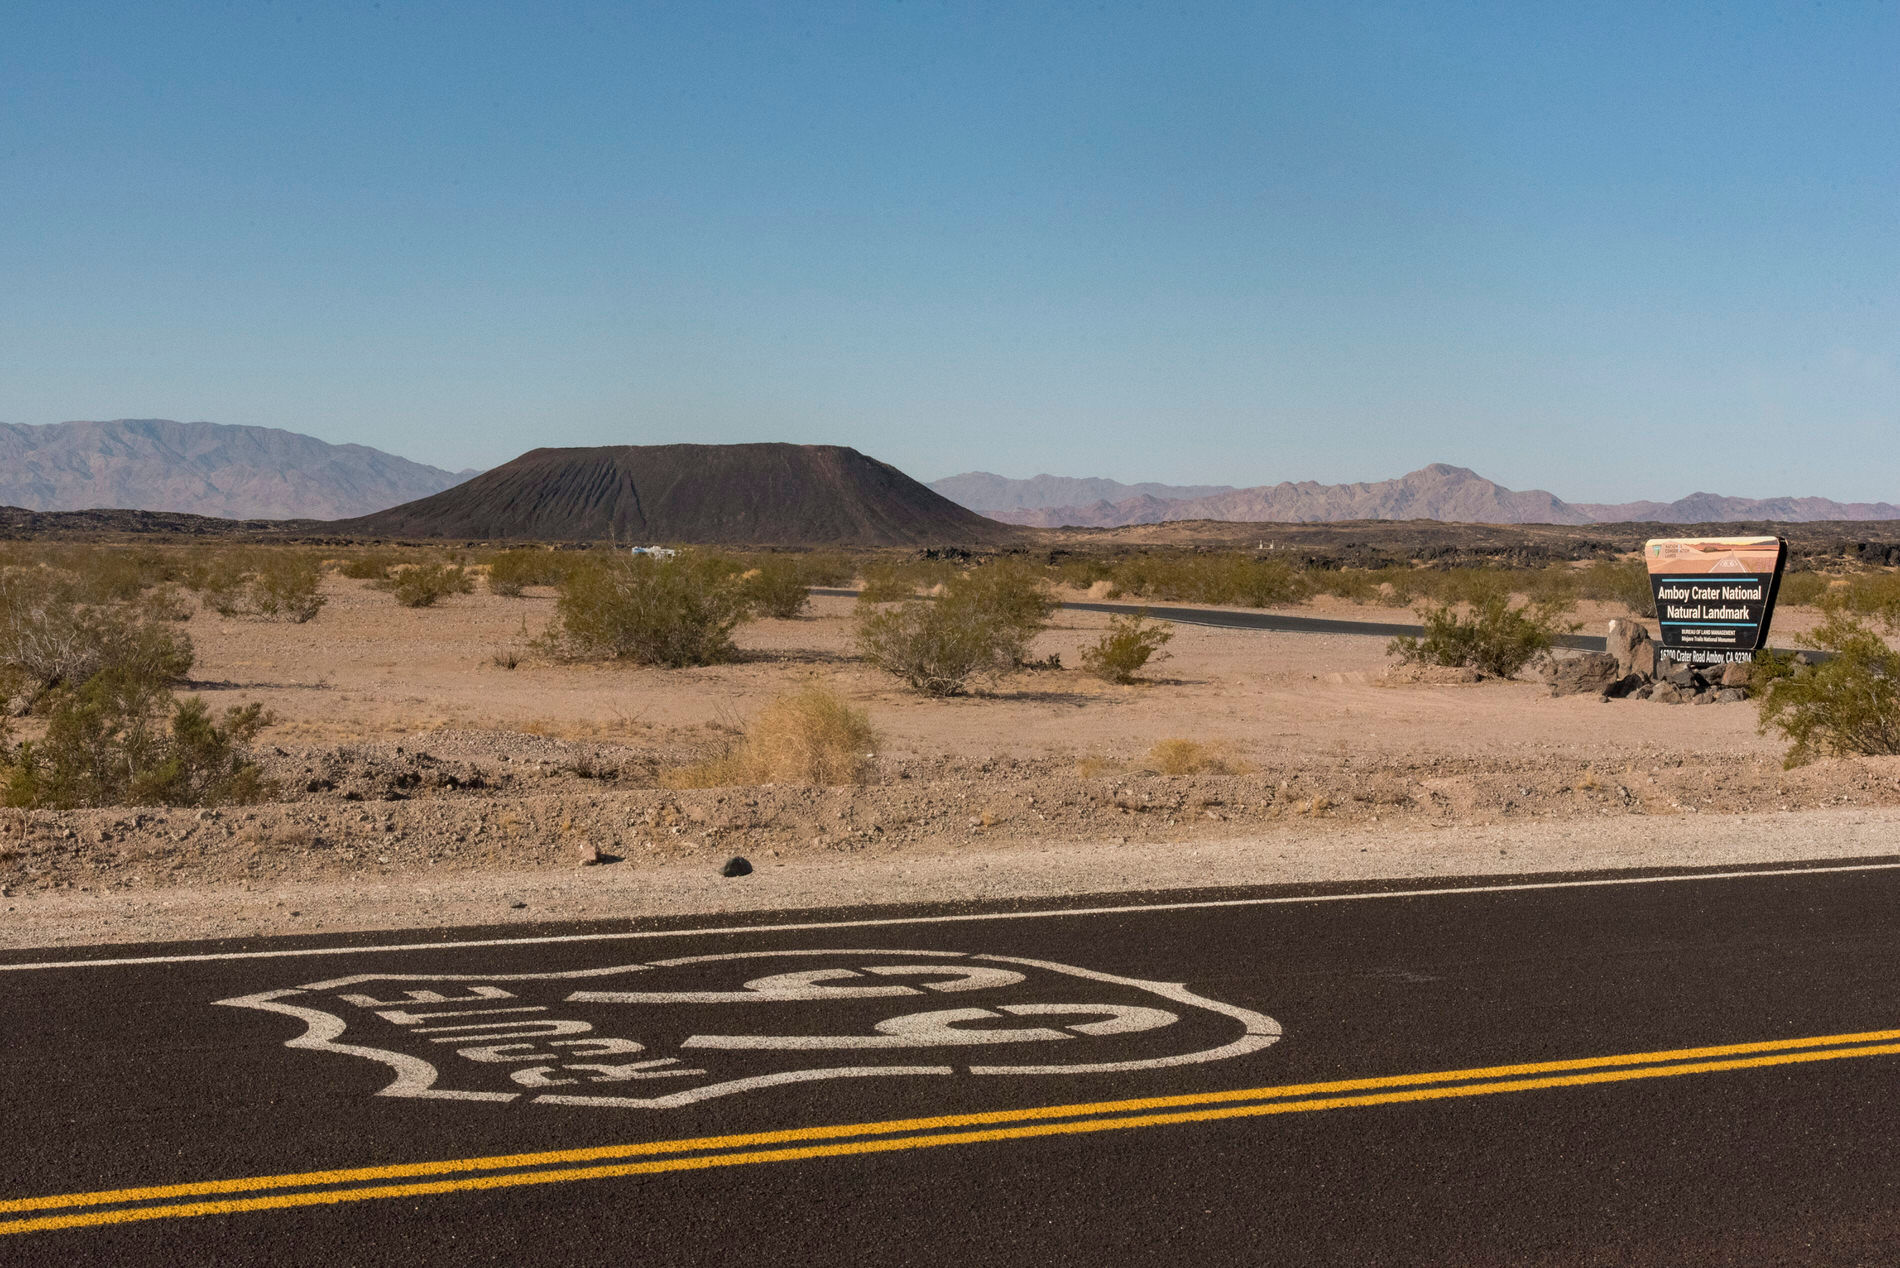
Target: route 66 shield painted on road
point(674, 1032)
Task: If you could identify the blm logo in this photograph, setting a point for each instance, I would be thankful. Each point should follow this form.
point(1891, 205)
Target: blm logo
point(675, 1032)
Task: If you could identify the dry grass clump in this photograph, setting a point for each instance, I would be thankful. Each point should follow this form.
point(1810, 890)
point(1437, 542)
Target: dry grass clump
point(809, 736)
point(1195, 757)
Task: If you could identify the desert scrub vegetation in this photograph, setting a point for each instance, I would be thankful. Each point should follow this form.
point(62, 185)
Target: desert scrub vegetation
point(123, 739)
point(809, 736)
point(1130, 643)
point(979, 626)
point(1846, 706)
point(426, 584)
point(1492, 636)
point(512, 571)
point(52, 638)
point(671, 612)
point(1233, 580)
point(372, 566)
point(777, 586)
point(277, 585)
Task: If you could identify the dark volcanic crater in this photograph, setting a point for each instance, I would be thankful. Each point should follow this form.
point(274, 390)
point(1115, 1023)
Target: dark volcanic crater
point(803, 495)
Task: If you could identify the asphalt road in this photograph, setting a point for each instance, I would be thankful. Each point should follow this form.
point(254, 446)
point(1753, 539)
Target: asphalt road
point(1240, 619)
point(1616, 1071)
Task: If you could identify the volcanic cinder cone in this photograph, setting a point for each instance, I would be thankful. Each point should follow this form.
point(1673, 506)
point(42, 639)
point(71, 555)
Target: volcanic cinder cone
point(767, 494)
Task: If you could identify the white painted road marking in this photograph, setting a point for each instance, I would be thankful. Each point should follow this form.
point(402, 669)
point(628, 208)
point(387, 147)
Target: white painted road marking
point(884, 922)
point(540, 1033)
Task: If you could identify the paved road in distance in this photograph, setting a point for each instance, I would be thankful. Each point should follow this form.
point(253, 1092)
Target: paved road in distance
point(1241, 619)
point(1622, 1070)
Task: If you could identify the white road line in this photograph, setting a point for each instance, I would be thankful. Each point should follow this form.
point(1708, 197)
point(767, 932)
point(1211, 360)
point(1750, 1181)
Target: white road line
point(888, 921)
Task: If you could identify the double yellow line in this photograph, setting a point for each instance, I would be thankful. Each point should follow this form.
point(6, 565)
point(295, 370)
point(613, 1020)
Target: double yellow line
point(358, 1184)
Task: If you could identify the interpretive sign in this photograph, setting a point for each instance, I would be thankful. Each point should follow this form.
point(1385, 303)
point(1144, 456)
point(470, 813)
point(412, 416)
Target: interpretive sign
point(1714, 595)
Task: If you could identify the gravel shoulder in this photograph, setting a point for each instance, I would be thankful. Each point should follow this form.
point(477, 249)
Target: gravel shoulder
point(1005, 870)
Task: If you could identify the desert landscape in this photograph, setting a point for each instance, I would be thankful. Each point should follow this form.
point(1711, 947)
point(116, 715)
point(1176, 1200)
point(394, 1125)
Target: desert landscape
point(439, 764)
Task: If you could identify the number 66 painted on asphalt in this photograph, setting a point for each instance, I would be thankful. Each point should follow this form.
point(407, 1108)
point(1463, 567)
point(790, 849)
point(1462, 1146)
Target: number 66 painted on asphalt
point(940, 1029)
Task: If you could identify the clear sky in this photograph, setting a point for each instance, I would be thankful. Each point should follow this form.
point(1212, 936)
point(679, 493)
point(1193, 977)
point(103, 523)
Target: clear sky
point(1614, 251)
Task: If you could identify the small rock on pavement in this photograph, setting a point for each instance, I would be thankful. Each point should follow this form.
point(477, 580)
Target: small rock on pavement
point(590, 854)
point(736, 866)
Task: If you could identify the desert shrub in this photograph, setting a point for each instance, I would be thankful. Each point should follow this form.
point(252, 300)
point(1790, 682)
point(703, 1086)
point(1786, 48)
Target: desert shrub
point(1849, 705)
point(1130, 643)
point(673, 612)
point(512, 570)
point(1802, 589)
point(123, 739)
point(1216, 578)
point(278, 585)
point(1624, 581)
point(980, 626)
point(48, 639)
point(423, 585)
point(777, 587)
point(1194, 757)
point(1495, 638)
point(885, 583)
point(828, 570)
point(374, 566)
point(1875, 594)
point(809, 736)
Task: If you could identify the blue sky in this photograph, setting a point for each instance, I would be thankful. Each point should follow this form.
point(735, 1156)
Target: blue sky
point(1615, 251)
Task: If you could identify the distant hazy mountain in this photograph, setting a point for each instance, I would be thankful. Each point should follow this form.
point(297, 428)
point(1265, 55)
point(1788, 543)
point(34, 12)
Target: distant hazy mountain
point(1437, 492)
point(985, 492)
point(154, 464)
point(1707, 508)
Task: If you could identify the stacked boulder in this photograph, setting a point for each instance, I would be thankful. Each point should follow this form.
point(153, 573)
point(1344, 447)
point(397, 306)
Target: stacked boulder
point(1632, 667)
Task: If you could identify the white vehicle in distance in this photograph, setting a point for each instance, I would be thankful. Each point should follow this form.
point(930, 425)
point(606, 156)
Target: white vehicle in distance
point(655, 552)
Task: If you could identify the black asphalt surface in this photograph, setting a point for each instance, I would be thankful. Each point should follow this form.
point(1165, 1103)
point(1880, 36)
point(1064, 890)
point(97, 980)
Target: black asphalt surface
point(1238, 619)
point(134, 1075)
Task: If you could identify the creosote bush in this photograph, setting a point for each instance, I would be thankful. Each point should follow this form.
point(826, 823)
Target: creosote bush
point(1130, 643)
point(980, 626)
point(423, 585)
point(278, 585)
point(374, 566)
point(122, 738)
point(1847, 706)
point(672, 612)
point(49, 639)
point(1495, 638)
point(511, 571)
point(809, 736)
point(778, 587)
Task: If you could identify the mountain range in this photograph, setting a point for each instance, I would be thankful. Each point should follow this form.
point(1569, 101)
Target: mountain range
point(232, 472)
point(1436, 492)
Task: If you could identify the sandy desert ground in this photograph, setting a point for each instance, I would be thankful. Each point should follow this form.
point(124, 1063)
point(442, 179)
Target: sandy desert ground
point(423, 782)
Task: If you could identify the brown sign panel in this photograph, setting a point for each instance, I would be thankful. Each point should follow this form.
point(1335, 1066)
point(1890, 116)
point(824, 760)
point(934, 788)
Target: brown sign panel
point(1714, 595)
